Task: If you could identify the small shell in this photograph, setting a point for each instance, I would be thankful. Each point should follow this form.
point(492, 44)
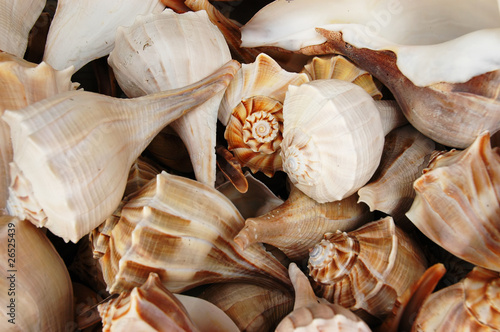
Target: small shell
point(406, 153)
point(183, 230)
point(473, 304)
point(459, 193)
point(367, 269)
point(333, 138)
point(338, 67)
point(300, 222)
point(82, 31)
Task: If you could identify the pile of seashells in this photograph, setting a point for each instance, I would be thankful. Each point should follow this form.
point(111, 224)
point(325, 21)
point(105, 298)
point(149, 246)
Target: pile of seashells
point(316, 165)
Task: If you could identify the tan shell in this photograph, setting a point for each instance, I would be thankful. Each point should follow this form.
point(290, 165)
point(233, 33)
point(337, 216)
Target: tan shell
point(183, 230)
point(337, 66)
point(16, 20)
point(459, 193)
point(406, 153)
point(35, 282)
point(473, 304)
point(152, 307)
point(300, 222)
point(311, 314)
point(74, 179)
point(82, 31)
point(367, 269)
point(253, 308)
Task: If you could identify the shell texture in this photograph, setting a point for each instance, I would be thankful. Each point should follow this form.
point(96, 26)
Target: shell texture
point(182, 230)
point(16, 20)
point(332, 140)
point(82, 31)
point(26, 281)
point(300, 222)
point(473, 304)
point(367, 269)
point(166, 51)
point(71, 197)
point(459, 193)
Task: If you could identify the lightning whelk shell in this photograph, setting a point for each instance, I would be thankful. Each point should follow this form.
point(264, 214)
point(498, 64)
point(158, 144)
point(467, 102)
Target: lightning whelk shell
point(73, 151)
point(459, 193)
point(183, 230)
point(367, 269)
point(82, 31)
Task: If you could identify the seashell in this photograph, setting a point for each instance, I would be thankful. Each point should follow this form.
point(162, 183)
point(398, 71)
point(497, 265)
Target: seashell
point(152, 307)
point(32, 298)
point(311, 314)
point(71, 197)
point(16, 20)
point(183, 230)
point(367, 269)
point(256, 201)
point(406, 153)
point(469, 305)
point(82, 31)
point(332, 140)
point(300, 222)
point(184, 48)
point(253, 308)
point(459, 194)
point(23, 83)
point(230, 168)
point(421, 64)
point(338, 67)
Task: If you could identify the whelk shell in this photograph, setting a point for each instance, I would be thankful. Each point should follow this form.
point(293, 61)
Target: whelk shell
point(183, 230)
point(75, 178)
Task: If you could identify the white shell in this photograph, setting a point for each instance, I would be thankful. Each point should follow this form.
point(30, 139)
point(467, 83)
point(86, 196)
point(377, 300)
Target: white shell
point(332, 139)
point(84, 30)
point(432, 39)
point(167, 51)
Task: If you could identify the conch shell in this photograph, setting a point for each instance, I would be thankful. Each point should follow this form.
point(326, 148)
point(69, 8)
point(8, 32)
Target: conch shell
point(366, 270)
point(82, 31)
point(37, 292)
point(459, 194)
point(73, 151)
point(182, 230)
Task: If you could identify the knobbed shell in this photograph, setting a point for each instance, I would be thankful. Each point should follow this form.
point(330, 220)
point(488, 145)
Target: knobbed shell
point(183, 230)
point(300, 222)
point(37, 292)
point(367, 269)
point(16, 20)
point(459, 193)
point(82, 31)
point(473, 304)
point(332, 140)
point(313, 314)
point(167, 51)
point(152, 307)
point(73, 151)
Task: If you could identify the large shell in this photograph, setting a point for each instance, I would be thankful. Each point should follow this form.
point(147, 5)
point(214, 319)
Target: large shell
point(367, 269)
point(23, 83)
point(406, 153)
point(152, 307)
point(253, 308)
point(473, 304)
point(166, 51)
point(82, 31)
point(183, 230)
point(458, 203)
point(333, 138)
point(36, 288)
point(16, 20)
point(73, 151)
point(300, 222)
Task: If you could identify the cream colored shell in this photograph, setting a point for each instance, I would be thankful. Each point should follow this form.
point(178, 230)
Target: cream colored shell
point(332, 140)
